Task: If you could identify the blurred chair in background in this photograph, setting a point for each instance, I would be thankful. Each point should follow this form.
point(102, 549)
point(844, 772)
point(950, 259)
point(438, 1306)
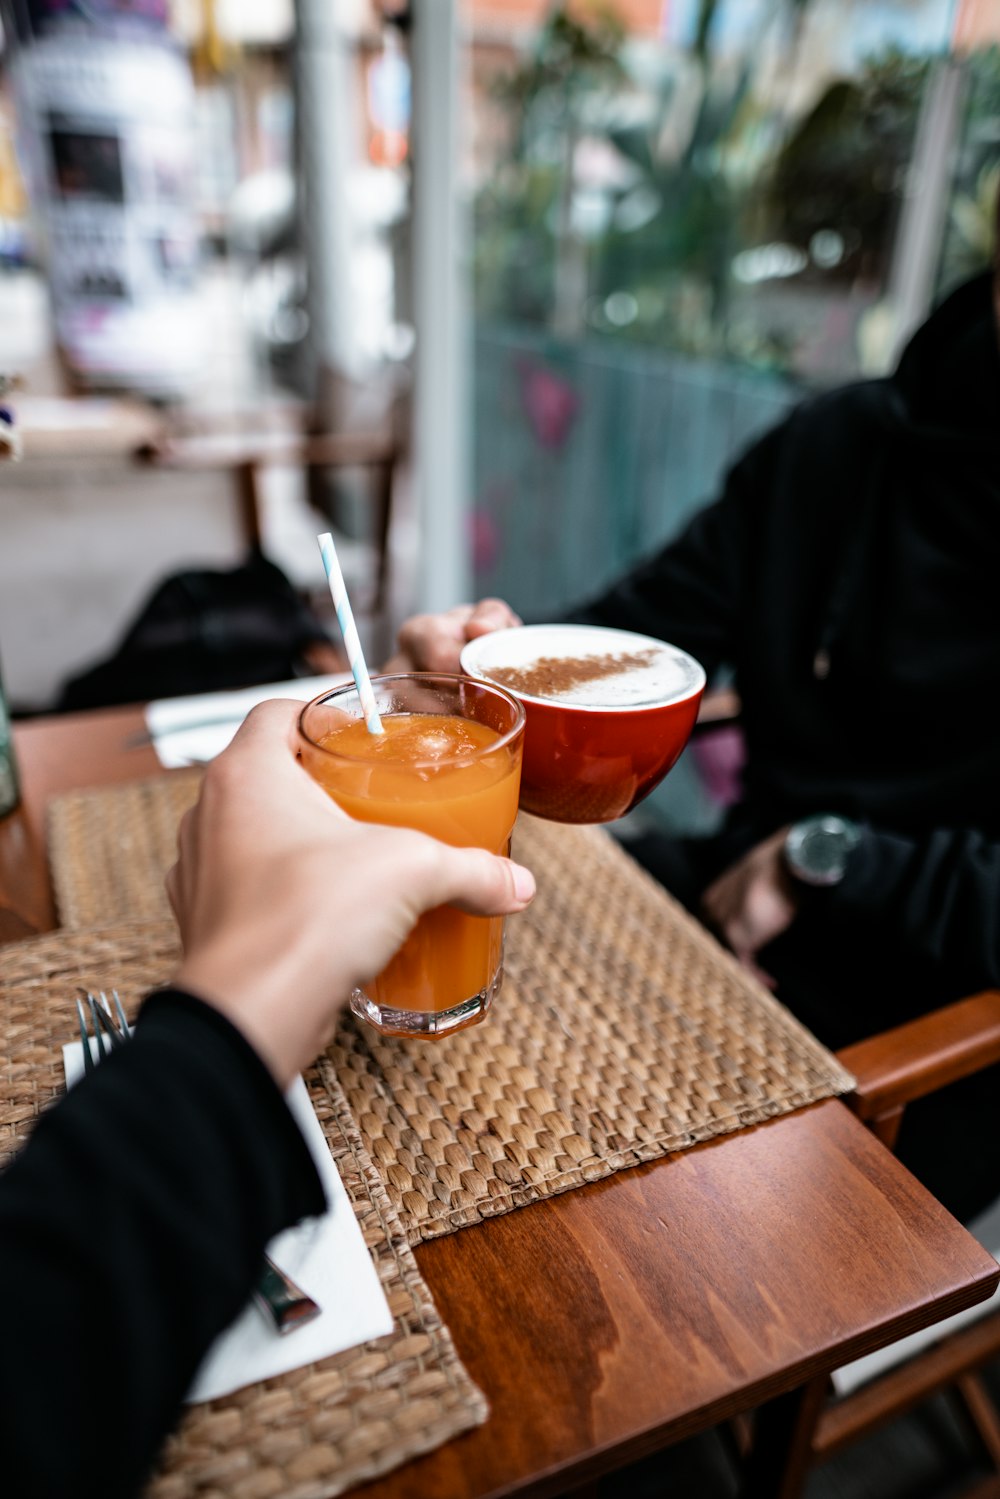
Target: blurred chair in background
point(353, 428)
point(359, 427)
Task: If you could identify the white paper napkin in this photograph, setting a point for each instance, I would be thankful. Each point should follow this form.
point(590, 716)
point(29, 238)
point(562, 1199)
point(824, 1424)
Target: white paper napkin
point(193, 730)
point(326, 1256)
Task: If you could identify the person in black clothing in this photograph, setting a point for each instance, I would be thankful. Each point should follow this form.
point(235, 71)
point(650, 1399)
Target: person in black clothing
point(133, 1222)
point(848, 576)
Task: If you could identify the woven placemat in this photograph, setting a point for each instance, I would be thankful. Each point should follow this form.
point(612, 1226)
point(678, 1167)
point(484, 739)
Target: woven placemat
point(110, 849)
point(317, 1431)
point(623, 1030)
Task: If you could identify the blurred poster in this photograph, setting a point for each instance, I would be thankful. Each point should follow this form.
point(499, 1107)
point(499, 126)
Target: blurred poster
point(107, 118)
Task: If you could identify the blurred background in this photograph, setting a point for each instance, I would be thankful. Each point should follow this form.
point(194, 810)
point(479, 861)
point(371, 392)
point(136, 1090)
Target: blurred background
point(495, 288)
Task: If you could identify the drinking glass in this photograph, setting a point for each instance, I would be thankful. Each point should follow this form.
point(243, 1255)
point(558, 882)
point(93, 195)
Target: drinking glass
point(459, 784)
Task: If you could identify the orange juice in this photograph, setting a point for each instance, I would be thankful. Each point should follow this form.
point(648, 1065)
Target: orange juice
point(457, 779)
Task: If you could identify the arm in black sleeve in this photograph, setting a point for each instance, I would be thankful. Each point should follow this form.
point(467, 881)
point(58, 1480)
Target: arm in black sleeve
point(693, 591)
point(131, 1231)
point(938, 894)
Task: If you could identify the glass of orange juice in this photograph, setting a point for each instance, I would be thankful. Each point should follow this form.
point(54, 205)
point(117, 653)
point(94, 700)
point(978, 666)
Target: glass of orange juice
point(448, 764)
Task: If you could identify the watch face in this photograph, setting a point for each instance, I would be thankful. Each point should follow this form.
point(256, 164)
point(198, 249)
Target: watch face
point(817, 849)
point(823, 853)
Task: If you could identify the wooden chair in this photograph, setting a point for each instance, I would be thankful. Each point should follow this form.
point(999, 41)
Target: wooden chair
point(893, 1069)
point(369, 420)
point(801, 1430)
point(245, 455)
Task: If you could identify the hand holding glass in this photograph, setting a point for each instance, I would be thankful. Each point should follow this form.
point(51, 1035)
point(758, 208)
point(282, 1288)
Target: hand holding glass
point(449, 765)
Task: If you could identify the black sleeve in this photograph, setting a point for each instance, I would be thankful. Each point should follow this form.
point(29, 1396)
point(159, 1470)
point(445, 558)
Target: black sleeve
point(131, 1230)
point(693, 592)
point(938, 894)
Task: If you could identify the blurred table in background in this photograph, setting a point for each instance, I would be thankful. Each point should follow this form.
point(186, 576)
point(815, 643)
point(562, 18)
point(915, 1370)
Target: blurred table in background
point(245, 456)
point(87, 533)
point(113, 495)
point(91, 427)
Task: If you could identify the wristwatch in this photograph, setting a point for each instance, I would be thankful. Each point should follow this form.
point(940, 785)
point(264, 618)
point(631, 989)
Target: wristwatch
point(817, 848)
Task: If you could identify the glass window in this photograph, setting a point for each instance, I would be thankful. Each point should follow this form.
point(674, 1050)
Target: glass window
point(684, 216)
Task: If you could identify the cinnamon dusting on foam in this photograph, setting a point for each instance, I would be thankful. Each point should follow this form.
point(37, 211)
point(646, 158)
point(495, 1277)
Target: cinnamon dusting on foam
point(552, 676)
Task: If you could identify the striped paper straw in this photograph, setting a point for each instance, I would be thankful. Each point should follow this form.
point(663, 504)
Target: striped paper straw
point(349, 630)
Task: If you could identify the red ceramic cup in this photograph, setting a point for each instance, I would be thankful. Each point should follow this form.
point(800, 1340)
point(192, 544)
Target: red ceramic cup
point(592, 749)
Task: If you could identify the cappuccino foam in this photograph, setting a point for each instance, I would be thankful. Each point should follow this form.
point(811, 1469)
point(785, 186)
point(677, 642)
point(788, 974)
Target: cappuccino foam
point(584, 666)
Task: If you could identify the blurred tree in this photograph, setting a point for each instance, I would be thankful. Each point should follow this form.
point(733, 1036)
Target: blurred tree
point(842, 168)
point(970, 233)
point(525, 224)
point(703, 161)
point(668, 230)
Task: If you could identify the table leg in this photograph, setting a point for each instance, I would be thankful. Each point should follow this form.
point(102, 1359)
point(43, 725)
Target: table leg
point(781, 1455)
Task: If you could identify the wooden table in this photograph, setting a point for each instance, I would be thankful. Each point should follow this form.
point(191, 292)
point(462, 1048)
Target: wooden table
point(610, 1321)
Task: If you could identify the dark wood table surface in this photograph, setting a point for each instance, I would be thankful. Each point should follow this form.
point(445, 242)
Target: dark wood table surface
point(614, 1320)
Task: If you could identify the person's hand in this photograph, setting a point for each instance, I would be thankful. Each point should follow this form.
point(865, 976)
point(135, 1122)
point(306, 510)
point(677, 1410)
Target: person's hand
point(752, 902)
point(433, 642)
point(285, 904)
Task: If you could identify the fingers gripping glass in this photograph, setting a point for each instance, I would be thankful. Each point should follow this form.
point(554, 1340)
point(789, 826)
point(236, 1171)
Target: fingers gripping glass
point(447, 764)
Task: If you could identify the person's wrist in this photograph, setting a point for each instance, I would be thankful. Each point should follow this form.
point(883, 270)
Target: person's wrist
point(267, 1002)
point(816, 850)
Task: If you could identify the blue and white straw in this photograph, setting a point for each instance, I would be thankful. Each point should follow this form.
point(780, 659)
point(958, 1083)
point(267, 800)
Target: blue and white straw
point(349, 630)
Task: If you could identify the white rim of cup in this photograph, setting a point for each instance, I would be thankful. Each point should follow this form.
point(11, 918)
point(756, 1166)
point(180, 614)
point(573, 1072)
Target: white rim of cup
point(646, 706)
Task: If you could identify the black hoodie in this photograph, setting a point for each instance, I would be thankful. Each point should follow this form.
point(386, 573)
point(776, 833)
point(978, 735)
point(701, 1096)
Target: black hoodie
point(848, 575)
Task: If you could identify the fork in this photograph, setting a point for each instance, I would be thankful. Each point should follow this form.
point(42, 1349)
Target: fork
point(282, 1302)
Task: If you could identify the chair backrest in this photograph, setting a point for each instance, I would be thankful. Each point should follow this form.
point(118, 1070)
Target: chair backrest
point(377, 407)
